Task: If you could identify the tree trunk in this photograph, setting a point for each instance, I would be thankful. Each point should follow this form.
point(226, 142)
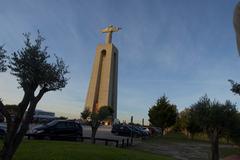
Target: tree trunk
point(214, 137)
point(9, 147)
point(162, 131)
point(7, 152)
point(14, 138)
point(94, 131)
point(12, 143)
point(192, 136)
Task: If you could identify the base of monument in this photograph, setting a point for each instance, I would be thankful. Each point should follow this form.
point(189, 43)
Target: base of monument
point(107, 122)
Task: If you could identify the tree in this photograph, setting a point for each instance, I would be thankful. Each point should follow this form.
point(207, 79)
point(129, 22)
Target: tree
point(2, 69)
point(185, 124)
point(215, 119)
point(193, 125)
point(163, 114)
point(182, 120)
point(235, 130)
point(85, 114)
point(2, 59)
point(36, 76)
point(96, 118)
point(235, 87)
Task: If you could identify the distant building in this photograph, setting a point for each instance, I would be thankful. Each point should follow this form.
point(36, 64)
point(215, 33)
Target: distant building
point(41, 116)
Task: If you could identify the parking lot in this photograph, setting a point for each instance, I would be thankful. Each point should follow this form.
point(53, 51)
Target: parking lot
point(102, 132)
point(105, 132)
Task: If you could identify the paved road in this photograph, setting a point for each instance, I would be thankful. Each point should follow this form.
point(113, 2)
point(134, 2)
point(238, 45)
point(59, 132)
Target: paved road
point(179, 150)
point(103, 132)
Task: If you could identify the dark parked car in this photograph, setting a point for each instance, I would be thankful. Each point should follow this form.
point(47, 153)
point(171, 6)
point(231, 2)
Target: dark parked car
point(115, 128)
point(154, 130)
point(125, 130)
point(59, 129)
point(3, 130)
point(141, 131)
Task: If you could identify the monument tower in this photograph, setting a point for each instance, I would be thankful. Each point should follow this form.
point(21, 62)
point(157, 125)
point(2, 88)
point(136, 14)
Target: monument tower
point(102, 89)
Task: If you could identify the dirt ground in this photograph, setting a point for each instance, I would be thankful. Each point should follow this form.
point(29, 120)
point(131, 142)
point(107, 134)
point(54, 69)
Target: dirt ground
point(179, 150)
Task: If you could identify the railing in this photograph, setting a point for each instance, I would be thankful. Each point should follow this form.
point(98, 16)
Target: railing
point(118, 143)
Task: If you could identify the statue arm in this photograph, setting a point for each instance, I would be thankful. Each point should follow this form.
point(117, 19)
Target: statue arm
point(110, 29)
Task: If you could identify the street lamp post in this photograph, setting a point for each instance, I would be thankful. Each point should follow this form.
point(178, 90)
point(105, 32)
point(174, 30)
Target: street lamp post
point(131, 130)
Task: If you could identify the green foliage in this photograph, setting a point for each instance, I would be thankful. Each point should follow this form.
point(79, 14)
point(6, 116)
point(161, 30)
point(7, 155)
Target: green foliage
point(182, 121)
point(193, 125)
point(30, 66)
point(2, 59)
point(212, 115)
point(235, 130)
point(96, 118)
point(85, 114)
point(163, 114)
point(215, 119)
point(103, 113)
point(235, 87)
point(36, 76)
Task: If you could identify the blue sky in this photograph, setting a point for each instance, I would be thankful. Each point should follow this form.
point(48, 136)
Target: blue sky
point(181, 48)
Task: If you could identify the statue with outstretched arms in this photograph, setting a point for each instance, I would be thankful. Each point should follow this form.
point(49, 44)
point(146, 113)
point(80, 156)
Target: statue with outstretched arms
point(109, 30)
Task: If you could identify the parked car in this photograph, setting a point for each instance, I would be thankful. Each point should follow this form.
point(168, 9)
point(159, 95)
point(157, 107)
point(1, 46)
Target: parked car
point(3, 130)
point(126, 130)
point(142, 131)
point(147, 130)
point(58, 129)
point(130, 130)
point(115, 128)
point(154, 130)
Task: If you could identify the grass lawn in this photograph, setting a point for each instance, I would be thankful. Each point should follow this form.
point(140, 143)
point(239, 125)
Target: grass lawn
point(59, 150)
